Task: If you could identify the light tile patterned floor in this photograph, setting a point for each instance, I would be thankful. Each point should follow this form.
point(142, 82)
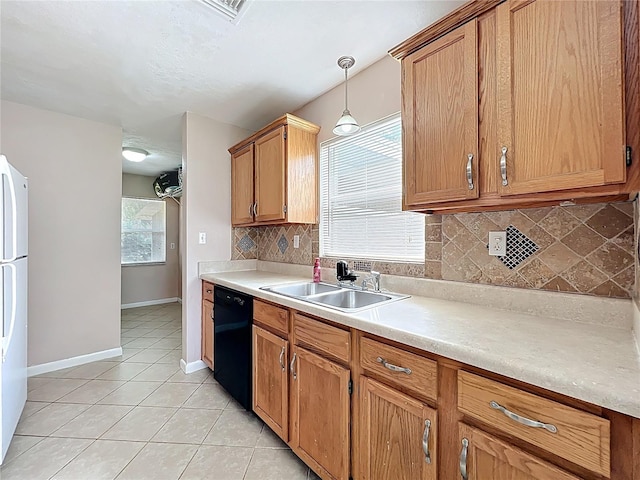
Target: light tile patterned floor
point(139, 417)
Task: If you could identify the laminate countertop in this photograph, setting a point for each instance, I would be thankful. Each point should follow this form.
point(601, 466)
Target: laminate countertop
point(594, 363)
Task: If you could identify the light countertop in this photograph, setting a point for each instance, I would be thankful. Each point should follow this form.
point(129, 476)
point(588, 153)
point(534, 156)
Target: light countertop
point(593, 363)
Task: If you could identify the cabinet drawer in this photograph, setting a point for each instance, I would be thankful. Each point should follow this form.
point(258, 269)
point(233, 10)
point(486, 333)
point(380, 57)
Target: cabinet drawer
point(415, 373)
point(320, 336)
point(271, 316)
point(207, 291)
point(572, 434)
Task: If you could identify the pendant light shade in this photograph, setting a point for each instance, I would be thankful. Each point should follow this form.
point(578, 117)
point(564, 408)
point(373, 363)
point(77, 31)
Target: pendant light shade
point(346, 125)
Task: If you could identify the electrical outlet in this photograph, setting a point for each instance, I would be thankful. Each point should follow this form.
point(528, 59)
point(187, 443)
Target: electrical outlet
point(202, 239)
point(296, 241)
point(498, 244)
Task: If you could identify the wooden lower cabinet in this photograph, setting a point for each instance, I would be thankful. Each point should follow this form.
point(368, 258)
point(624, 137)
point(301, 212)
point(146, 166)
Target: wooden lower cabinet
point(271, 381)
point(320, 414)
point(485, 457)
point(207, 333)
point(398, 435)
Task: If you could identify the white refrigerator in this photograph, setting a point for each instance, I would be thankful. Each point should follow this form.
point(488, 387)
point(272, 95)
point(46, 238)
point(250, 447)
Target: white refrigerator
point(13, 300)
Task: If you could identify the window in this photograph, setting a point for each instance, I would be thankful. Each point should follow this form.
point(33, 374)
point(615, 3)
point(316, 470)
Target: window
point(143, 235)
point(361, 197)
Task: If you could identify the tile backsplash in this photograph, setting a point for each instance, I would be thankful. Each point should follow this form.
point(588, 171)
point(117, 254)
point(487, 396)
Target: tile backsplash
point(586, 249)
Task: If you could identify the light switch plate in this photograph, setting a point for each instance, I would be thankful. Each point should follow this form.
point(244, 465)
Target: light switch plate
point(172, 246)
point(498, 244)
point(296, 241)
point(202, 238)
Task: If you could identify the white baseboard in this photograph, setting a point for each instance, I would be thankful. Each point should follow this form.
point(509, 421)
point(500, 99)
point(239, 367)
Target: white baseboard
point(192, 366)
point(73, 361)
point(160, 301)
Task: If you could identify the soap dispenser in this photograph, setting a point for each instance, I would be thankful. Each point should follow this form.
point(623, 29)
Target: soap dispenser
point(316, 271)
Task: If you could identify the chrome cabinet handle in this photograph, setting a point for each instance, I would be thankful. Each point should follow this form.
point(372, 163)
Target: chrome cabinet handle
point(523, 420)
point(392, 367)
point(255, 209)
point(251, 210)
point(425, 441)
point(503, 166)
point(463, 459)
point(209, 291)
point(282, 365)
point(291, 367)
point(470, 171)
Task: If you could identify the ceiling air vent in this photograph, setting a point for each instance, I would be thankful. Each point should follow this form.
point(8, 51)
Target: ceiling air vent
point(232, 10)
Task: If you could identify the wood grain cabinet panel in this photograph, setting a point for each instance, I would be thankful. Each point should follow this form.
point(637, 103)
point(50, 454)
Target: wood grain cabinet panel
point(581, 437)
point(326, 339)
point(320, 414)
point(560, 94)
point(485, 457)
point(274, 174)
point(398, 435)
point(440, 119)
point(271, 381)
point(271, 317)
point(207, 333)
point(242, 187)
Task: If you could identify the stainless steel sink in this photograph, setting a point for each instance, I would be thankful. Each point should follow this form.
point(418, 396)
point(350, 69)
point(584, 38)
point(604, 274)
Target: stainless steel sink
point(331, 296)
point(302, 289)
point(351, 299)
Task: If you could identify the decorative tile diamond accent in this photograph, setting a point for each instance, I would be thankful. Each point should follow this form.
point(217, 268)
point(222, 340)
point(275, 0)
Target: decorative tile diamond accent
point(519, 248)
point(245, 244)
point(283, 244)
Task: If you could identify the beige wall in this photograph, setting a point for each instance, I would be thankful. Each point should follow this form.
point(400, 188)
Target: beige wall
point(374, 93)
point(206, 207)
point(143, 283)
point(74, 171)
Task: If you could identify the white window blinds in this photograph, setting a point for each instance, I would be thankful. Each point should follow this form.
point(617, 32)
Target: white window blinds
point(361, 197)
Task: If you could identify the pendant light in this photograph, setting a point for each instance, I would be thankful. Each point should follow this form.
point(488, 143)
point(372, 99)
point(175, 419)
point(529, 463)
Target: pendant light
point(347, 125)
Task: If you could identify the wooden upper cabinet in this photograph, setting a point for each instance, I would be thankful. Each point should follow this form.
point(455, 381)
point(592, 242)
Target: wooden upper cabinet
point(398, 435)
point(270, 176)
point(242, 186)
point(274, 174)
point(560, 95)
point(484, 457)
point(440, 119)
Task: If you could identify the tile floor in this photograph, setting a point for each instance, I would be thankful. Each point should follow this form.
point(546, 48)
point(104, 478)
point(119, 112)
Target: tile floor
point(138, 417)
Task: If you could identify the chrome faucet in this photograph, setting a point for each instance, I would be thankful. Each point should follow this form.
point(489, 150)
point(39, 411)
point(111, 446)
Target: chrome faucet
point(374, 279)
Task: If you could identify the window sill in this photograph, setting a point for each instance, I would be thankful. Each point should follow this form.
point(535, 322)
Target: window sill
point(142, 264)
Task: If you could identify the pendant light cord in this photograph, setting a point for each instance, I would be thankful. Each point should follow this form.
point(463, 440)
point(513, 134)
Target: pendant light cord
point(346, 79)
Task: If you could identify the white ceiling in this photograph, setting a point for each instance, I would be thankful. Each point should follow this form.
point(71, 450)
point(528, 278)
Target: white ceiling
point(141, 64)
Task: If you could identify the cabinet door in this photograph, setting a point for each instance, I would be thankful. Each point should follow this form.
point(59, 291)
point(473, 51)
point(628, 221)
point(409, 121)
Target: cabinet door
point(320, 413)
point(440, 119)
point(270, 176)
point(484, 457)
point(242, 186)
point(270, 381)
point(560, 95)
point(207, 333)
point(399, 435)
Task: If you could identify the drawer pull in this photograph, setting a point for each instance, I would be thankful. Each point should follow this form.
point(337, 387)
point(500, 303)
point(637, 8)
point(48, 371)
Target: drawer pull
point(209, 290)
point(282, 365)
point(425, 441)
point(392, 367)
point(523, 420)
point(463, 459)
point(292, 366)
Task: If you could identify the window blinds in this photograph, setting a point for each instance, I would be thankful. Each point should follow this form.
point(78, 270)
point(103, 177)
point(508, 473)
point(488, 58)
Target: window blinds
point(361, 197)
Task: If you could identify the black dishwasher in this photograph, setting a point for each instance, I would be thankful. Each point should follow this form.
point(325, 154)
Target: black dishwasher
point(233, 312)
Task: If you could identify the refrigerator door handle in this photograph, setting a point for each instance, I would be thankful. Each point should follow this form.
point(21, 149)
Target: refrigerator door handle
point(6, 341)
point(6, 171)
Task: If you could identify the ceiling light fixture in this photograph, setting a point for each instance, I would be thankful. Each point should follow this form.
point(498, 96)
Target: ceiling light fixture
point(134, 154)
point(347, 125)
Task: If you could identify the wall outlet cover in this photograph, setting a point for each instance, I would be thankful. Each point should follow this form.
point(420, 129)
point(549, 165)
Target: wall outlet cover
point(498, 244)
point(296, 241)
point(202, 238)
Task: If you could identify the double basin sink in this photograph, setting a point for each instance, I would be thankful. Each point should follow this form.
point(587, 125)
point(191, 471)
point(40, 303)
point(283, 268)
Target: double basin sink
point(332, 296)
